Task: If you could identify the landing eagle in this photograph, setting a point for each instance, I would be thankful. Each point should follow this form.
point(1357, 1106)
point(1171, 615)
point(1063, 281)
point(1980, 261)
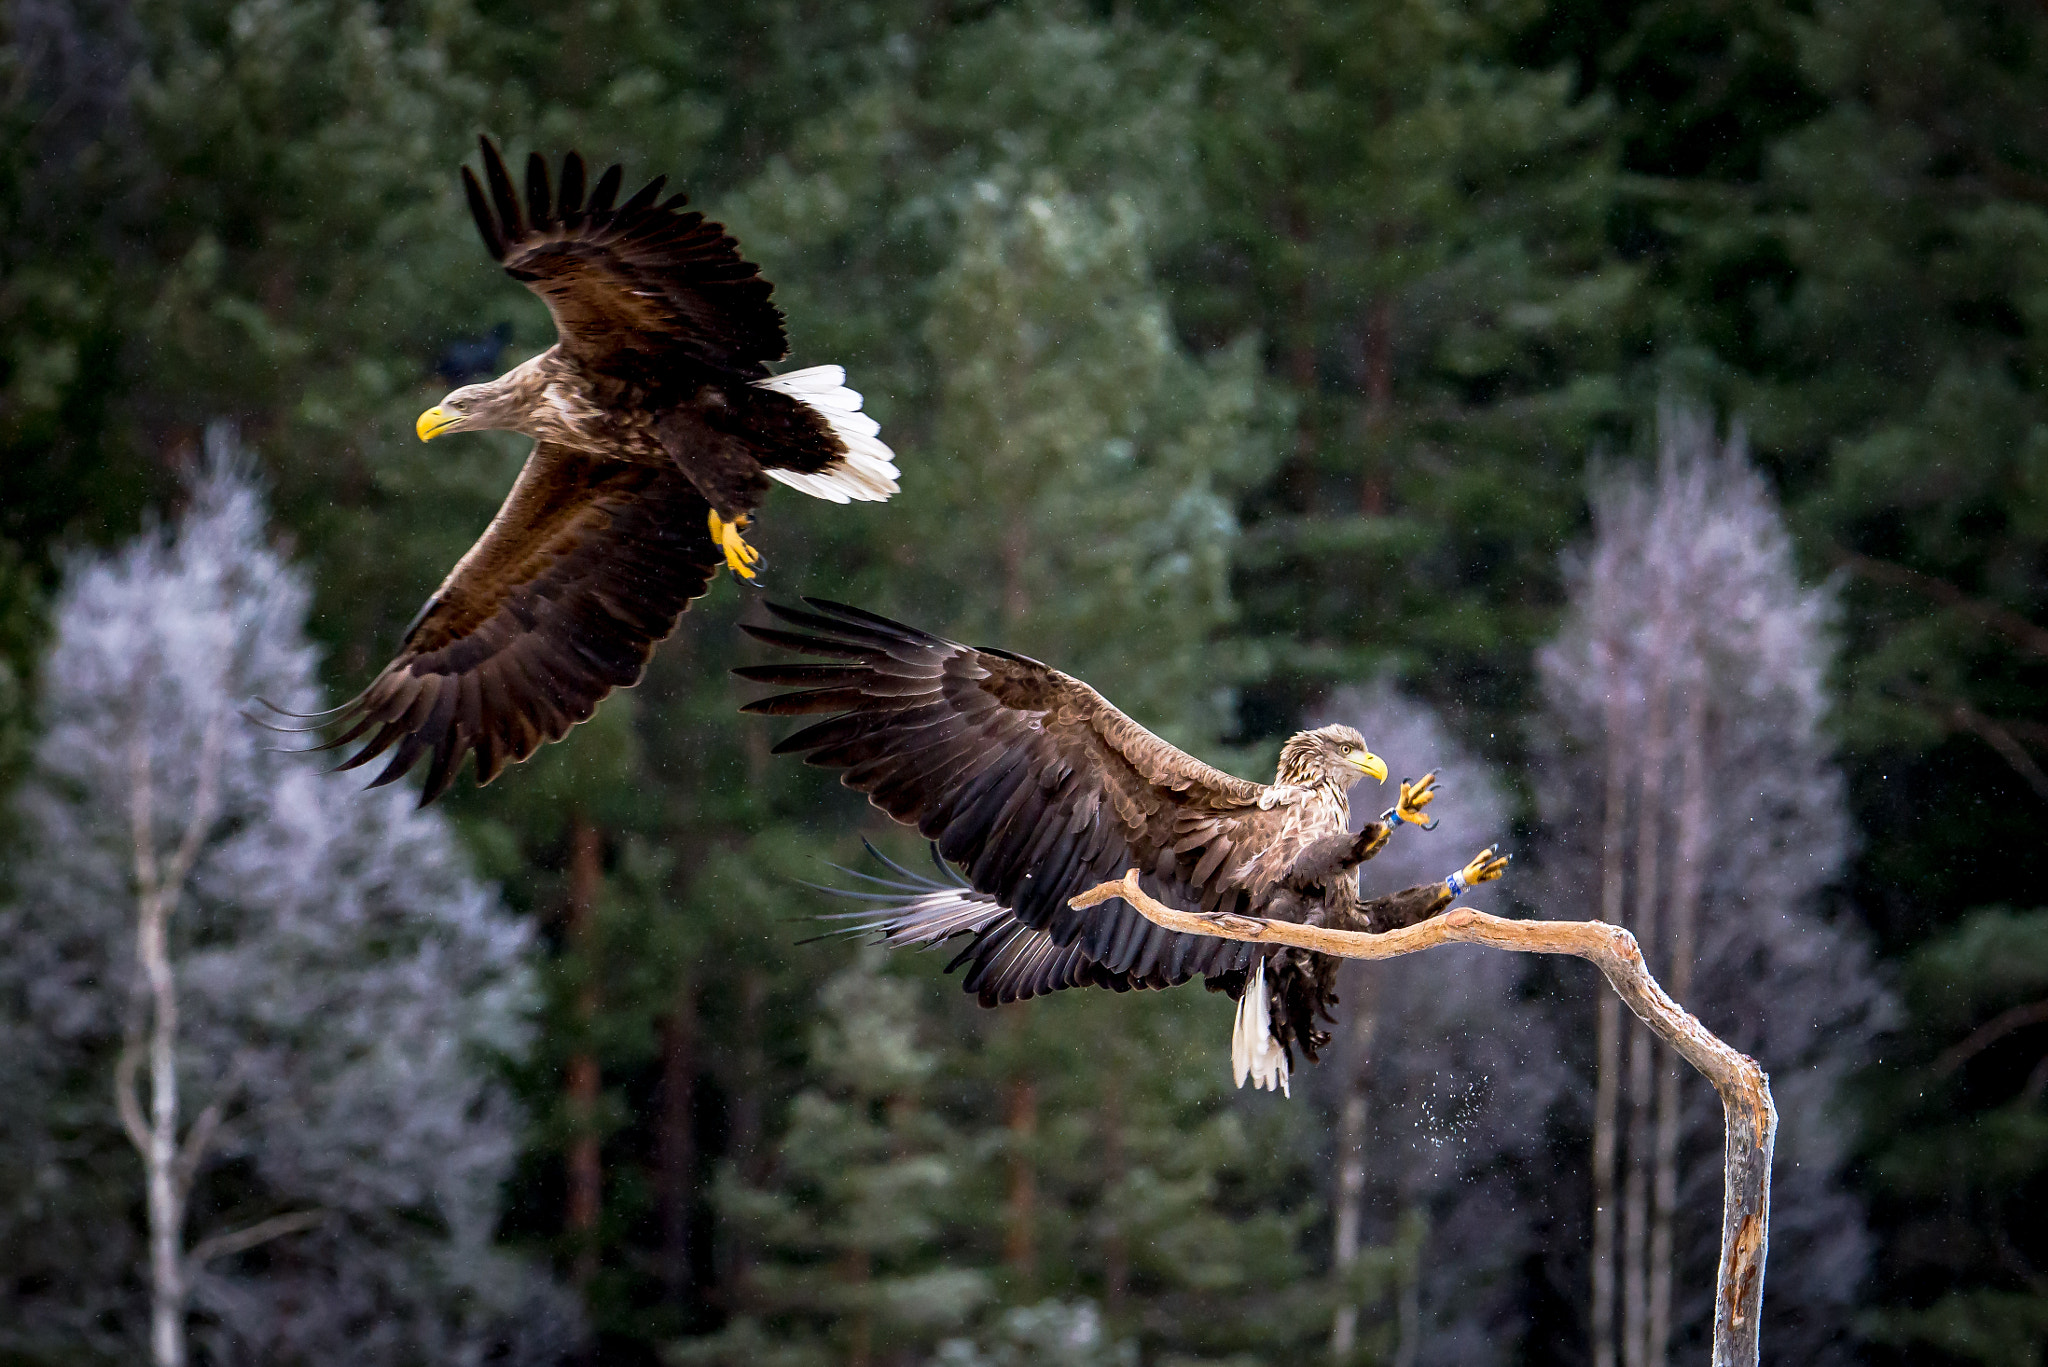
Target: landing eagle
point(1035, 788)
point(657, 427)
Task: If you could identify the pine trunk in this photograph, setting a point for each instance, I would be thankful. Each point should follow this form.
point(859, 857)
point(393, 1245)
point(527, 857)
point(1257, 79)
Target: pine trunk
point(1408, 1299)
point(1016, 550)
point(1297, 474)
point(1116, 1249)
point(585, 1169)
point(856, 1270)
point(676, 1141)
point(1301, 341)
point(1379, 402)
point(1020, 1214)
point(1352, 1134)
point(747, 1144)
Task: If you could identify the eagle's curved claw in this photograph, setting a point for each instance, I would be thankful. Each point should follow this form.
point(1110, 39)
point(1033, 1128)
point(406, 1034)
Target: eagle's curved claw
point(740, 558)
point(1483, 867)
point(1415, 795)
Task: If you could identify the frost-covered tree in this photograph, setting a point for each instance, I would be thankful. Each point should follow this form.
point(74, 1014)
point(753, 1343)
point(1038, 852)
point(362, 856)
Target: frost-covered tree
point(1692, 796)
point(286, 995)
point(1442, 1084)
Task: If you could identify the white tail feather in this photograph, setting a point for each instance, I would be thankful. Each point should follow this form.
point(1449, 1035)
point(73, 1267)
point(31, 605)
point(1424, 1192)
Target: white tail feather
point(1254, 1053)
point(867, 472)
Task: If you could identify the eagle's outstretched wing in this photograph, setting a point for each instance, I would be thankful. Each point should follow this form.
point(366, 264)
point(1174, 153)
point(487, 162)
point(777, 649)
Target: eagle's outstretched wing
point(585, 568)
point(1032, 783)
point(633, 287)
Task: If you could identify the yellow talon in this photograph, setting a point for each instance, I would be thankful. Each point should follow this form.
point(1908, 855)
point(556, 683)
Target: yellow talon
point(740, 558)
point(1484, 867)
point(1414, 797)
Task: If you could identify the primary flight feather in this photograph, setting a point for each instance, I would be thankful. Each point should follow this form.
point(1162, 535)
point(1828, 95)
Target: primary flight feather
point(657, 427)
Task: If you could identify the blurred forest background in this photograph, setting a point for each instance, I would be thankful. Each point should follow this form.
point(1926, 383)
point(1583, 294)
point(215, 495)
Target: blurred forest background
point(1637, 410)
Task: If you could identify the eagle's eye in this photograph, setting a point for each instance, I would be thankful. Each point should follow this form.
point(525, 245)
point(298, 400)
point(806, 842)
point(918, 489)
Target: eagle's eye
point(1346, 748)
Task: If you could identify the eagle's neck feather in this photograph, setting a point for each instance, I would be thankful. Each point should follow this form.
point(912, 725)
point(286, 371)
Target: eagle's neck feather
point(1301, 767)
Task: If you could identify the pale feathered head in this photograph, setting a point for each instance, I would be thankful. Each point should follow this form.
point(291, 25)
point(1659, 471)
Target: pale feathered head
point(1329, 754)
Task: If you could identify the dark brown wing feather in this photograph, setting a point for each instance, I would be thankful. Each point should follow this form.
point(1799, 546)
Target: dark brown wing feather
point(585, 568)
point(1033, 785)
point(629, 287)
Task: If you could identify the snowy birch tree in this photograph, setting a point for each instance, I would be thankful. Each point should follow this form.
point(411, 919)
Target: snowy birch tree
point(285, 994)
point(1692, 797)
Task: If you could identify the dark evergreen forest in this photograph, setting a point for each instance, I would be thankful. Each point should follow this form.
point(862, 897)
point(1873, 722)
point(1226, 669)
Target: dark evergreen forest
point(1259, 364)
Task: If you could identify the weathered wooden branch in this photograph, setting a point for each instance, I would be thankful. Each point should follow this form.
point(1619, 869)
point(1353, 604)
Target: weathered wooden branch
point(1751, 1118)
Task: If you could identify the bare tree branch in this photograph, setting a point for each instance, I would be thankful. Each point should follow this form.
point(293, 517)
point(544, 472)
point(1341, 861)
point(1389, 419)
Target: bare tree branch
point(205, 805)
point(199, 1137)
point(1988, 1034)
point(2017, 629)
point(142, 816)
point(249, 1236)
point(126, 1098)
point(2001, 739)
point(2033, 732)
point(1751, 1117)
point(2036, 1083)
point(1351, 1144)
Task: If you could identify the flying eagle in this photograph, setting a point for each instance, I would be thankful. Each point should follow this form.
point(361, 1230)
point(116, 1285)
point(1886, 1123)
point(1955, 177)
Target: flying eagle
point(657, 426)
point(1036, 788)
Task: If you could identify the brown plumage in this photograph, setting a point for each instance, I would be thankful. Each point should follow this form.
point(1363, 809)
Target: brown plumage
point(1036, 788)
point(657, 427)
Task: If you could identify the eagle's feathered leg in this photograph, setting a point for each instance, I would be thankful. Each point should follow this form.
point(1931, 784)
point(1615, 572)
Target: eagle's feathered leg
point(1405, 908)
point(740, 558)
point(1304, 988)
point(1397, 910)
point(1328, 858)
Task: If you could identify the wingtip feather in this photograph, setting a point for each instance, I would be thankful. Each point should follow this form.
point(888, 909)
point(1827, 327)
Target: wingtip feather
point(569, 199)
point(503, 197)
point(480, 210)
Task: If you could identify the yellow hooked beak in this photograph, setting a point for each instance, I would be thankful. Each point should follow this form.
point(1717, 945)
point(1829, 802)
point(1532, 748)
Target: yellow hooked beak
point(1371, 764)
point(435, 421)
